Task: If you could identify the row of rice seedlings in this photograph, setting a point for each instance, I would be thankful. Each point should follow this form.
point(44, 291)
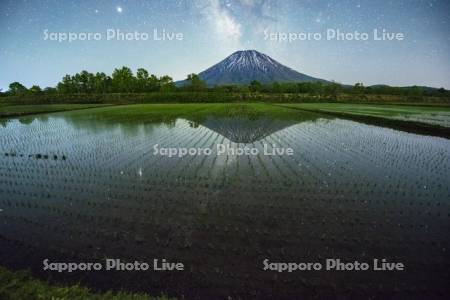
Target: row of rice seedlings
point(92, 181)
point(36, 156)
point(84, 175)
point(44, 190)
point(365, 166)
point(320, 174)
point(92, 207)
point(287, 217)
point(75, 183)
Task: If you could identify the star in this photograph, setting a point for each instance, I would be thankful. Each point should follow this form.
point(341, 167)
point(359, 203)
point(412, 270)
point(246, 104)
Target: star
point(119, 9)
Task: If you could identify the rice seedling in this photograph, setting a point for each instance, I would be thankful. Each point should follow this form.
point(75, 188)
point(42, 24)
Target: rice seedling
point(80, 187)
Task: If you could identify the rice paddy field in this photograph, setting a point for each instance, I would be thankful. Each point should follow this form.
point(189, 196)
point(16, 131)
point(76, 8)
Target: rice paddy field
point(8, 110)
point(432, 114)
point(84, 185)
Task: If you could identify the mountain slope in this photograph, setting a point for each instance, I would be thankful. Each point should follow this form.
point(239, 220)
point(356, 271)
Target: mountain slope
point(242, 67)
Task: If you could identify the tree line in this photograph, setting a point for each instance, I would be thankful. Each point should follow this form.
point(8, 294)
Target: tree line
point(123, 80)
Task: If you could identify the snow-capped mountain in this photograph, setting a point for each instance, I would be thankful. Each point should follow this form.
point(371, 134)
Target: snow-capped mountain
point(242, 67)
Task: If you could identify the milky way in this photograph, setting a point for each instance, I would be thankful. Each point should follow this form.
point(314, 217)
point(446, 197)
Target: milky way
point(213, 29)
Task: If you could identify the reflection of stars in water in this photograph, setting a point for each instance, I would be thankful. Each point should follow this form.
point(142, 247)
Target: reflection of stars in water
point(140, 172)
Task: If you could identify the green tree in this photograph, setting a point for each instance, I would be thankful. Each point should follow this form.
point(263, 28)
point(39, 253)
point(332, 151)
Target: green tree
point(50, 90)
point(35, 89)
point(195, 83)
point(146, 82)
point(66, 85)
point(358, 88)
point(153, 83)
point(276, 87)
point(84, 82)
point(255, 86)
point(101, 82)
point(16, 88)
point(333, 90)
point(316, 89)
point(304, 87)
point(123, 80)
point(142, 80)
point(415, 93)
point(166, 84)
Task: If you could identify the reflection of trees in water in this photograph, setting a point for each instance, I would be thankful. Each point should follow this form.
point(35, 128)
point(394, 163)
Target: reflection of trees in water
point(132, 128)
point(26, 120)
point(4, 122)
point(244, 128)
point(193, 124)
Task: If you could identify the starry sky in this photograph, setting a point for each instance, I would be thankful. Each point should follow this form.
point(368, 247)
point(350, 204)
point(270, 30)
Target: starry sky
point(213, 29)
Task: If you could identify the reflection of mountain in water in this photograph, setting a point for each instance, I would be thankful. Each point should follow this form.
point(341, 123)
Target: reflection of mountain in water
point(114, 198)
point(238, 123)
point(242, 130)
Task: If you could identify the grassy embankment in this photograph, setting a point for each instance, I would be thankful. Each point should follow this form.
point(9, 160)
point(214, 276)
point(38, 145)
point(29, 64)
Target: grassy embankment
point(7, 110)
point(415, 118)
point(22, 286)
point(437, 115)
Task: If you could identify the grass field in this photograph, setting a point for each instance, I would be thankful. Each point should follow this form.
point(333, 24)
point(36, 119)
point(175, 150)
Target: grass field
point(22, 286)
point(22, 110)
point(433, 115)
point(150, 113)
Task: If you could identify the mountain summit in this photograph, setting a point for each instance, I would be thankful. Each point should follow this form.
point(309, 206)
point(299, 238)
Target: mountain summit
point(242, 67)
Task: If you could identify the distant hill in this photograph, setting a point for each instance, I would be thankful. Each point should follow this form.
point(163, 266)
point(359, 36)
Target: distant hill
point(242, 67)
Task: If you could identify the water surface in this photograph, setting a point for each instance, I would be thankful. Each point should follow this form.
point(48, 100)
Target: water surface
point(81, 189)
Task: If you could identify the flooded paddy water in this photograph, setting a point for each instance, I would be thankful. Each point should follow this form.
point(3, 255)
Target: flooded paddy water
point(76, 188)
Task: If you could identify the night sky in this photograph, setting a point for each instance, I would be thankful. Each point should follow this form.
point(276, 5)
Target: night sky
point(213, 29)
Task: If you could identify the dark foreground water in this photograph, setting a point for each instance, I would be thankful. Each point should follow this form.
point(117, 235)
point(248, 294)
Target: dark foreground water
point(84, 190)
